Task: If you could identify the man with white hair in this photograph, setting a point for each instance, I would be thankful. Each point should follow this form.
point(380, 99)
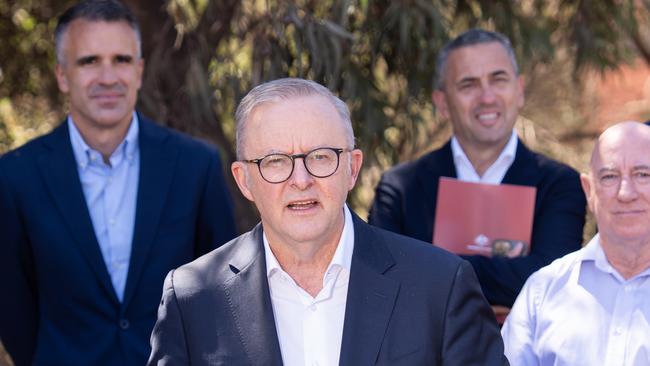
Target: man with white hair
point(591, 307)
point(313, 284)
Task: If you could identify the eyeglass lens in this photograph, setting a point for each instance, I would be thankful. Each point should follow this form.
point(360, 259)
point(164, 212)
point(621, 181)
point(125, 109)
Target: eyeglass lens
point(320, 163)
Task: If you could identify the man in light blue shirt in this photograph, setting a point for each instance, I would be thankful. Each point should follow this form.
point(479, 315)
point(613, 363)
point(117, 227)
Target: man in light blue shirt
point(111, 191)
point(592, 307)
point(94, 214)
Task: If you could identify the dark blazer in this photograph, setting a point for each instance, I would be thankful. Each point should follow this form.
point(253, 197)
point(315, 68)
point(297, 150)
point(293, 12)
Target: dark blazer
point(59, 306)
point(407, 304)
point(405, 202)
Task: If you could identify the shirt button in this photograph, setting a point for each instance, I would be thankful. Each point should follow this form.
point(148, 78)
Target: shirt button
point(124, 324)
point(619, 330)
point(312, 307)
point(111, 221)
point(628, 288)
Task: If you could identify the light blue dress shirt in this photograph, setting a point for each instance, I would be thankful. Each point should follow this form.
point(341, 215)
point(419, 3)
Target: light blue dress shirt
point(111, 193)
point(579, 311)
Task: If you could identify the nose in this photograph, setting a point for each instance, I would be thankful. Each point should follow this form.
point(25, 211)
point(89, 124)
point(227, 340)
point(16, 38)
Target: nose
point(107, 74)
point(488, 96)
point(627, 190)
point(300, 178)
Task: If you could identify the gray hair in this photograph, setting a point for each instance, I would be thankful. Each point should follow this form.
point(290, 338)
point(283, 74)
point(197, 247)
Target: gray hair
point(469, 38)
point(284, 89)
point(94, 10)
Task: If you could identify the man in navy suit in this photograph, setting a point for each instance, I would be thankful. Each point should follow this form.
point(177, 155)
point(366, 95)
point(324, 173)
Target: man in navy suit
point(95, 213)
point(313, 284)
point(479, 89)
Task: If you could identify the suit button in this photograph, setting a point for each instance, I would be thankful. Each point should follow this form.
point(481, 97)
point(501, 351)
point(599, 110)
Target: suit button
point(124, 324)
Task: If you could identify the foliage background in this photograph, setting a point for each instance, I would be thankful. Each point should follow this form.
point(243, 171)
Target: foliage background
point(202, 56)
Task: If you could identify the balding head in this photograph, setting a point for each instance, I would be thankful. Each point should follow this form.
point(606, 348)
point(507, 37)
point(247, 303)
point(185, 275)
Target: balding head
point(618, 184)
point(628, 135)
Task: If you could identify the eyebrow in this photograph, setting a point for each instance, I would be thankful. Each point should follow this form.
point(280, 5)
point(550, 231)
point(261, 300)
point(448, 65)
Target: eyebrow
point(606, 170)
point(90, 58)
point(86, 59)
point(469, 79)
point(636, 167)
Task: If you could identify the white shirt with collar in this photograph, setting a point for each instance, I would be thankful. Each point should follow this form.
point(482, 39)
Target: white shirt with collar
point(310, 330)
point(580, 311)
point(111, 192)
point(494, 174)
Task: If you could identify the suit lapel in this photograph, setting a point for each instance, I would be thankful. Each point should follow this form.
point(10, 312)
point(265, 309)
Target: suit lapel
point(371, 298)
point(523, 170)
point(60, 174)
point(250, 301)
point(157, 166)
point(439, 163)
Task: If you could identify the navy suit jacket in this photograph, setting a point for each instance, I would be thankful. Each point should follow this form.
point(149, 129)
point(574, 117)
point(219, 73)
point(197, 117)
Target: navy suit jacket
point(405, 202)
point(407, 304)
point(58, 305)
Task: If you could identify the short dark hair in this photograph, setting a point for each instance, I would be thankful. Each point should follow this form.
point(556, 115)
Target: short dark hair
point(471, 37)
point(94, 10)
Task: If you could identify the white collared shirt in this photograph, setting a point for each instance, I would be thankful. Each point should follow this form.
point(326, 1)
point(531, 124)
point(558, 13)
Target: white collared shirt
point(494, 174)
point(310, 329)
point(111, 192)
point(580, 311)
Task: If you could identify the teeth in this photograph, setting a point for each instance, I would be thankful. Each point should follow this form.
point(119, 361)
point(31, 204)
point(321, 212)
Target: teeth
point(302, 205)
point(487, 116)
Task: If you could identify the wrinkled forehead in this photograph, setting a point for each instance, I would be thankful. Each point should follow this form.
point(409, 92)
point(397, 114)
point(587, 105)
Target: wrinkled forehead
point(300, 122)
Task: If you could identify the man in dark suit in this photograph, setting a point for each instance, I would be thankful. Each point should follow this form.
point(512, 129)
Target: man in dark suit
point(313, 284)
point(480, 91)
point(95, 213)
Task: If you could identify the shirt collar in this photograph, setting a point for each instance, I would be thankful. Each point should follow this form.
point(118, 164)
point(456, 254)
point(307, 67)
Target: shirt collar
point(594, 252)
point(507, 154)
point(84, 154)
point(342, 256)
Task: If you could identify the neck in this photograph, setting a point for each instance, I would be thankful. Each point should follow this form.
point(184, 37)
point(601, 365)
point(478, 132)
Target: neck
point(103, 140)
point(628, 257)
point(482, 158)
point(306, 263)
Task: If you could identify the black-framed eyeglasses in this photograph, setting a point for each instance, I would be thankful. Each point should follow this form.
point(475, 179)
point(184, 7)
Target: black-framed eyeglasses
point(320, 163)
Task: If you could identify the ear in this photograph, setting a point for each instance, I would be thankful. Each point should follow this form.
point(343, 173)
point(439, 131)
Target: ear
point(587, 187)
point(356, 160)
point(440, 101)
point(240, 173)
point(61, 79)
point(521, 84)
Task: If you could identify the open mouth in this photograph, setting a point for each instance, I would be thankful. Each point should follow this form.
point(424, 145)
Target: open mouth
point(302, 205)
point(487, 118)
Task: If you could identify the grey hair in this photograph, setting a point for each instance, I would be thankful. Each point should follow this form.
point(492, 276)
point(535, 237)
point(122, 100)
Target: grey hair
point(469, 38)
point(94, 10)
point(284, 89)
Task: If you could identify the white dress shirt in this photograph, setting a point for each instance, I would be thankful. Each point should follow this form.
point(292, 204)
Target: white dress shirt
point(494, 174)
point(579, 311)
point(310, 329)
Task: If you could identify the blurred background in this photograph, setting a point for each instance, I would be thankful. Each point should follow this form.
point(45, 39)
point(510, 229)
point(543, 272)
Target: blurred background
point(586, 63)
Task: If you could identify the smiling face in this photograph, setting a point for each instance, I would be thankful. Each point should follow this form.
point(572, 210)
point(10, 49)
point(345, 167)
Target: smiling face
point(481, 95)
point(101, 73)
point(618, 186)
point(303, 209)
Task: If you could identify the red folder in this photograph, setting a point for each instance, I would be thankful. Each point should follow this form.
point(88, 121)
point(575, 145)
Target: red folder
point(485, 219)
